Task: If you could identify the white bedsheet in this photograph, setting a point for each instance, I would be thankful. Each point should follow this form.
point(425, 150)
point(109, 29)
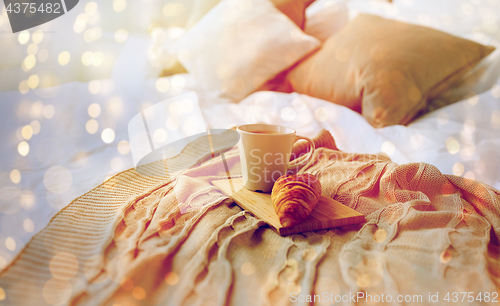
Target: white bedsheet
point(64, 142)
point(81, 160)
point(461, 139)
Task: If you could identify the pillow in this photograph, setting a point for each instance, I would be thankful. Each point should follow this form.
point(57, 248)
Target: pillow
point(386, 69)
point(325, 17)
point(239, 45)
point(453, 17)
point(164, 64)
point(293, 9)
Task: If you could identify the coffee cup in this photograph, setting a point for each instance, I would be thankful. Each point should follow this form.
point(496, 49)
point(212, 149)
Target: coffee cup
point(265, 151)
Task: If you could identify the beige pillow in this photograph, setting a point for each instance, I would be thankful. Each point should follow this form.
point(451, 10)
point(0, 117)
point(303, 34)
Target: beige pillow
point(386, 69)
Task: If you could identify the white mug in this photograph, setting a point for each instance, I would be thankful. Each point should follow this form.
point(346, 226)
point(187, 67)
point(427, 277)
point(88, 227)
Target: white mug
point(265, 151)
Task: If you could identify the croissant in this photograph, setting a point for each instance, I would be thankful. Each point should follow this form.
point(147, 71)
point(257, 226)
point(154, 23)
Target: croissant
point(294, 197)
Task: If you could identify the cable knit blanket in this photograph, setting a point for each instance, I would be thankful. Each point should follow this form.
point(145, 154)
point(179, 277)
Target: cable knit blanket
point(128, 242)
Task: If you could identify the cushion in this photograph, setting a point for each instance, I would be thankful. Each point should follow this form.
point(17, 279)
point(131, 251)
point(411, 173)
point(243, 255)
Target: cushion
point(453, 17)
point(293, 9)
point(168, 65)
point(239, 45)
point(325, 17)
point(386, 69)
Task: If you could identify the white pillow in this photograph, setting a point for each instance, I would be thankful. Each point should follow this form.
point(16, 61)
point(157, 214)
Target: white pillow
point(325, 17)
point(239, 45)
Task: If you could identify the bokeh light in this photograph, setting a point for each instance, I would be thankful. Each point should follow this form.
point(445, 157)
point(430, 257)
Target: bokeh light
point(97, 59)
point(64, 58)
point(10, 244)
point(28, 225)
point(37, 36)
point(92, 34)
point(63, 265)
point(380, 235)
point(119, 5)
point(42, 55)
point(162, 84)
point(91, 8)
point(160, 136)
point(123, 147)
point(23, 37)
point(27, 132)
point(473, 98)
point(171, 278)
point(363, 280)
point(57, 291)
point(80, 23)
point(114, 106)
point(178, 82)
point(36, 109)
point(169, 9)
point(32, 49)
point(94, 110)
point(87, 58)
point(33, 81)
point(23, 148)
point(27, 200)
point(452, 145)
point(388, 148)
point(108, 135)
point(468, 9)
point(470, 175)
point(15, 176)
point(95, 87)
point(29, 62)
point(248, 269)
point(139, 293)
point(92, 126)
point(49, 111)
point(414, 93)
point(127, 284)
point(321, 114)
point(458, 169)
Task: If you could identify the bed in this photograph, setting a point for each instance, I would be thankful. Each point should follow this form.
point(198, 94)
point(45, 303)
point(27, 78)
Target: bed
point(79, 226)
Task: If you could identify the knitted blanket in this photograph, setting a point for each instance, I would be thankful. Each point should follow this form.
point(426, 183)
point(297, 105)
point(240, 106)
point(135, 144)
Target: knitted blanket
point(176, 240)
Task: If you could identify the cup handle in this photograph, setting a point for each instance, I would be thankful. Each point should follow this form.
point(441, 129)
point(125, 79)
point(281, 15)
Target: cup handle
point(310, 154)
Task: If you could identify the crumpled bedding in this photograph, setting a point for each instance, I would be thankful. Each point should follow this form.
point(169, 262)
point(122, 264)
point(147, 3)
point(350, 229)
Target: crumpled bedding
point(126, 242)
